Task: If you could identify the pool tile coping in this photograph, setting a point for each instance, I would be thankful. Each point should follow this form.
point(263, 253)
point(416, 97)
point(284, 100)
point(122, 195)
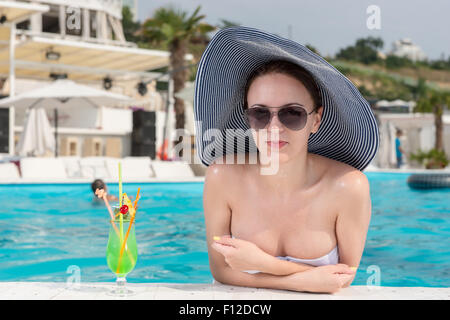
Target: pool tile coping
point(201, 291)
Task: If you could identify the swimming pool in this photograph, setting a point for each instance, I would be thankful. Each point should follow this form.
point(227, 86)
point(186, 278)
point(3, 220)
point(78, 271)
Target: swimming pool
point(45, 229)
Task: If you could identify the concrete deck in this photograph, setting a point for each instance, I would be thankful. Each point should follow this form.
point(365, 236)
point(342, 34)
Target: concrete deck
point(20, 181)
point(171, 291)
point(407, 170)
point(106, 180)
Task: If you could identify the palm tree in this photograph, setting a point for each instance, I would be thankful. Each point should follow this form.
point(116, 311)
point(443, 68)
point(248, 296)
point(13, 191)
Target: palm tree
point(199, 42)
point(435, 101)
point(173, 29)
point(224, 23)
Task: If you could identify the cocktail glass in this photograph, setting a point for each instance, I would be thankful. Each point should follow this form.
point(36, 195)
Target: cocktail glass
point(121, 258)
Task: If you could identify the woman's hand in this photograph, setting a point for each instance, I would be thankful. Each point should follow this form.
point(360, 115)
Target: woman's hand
point(323, 279)
point(240, 254)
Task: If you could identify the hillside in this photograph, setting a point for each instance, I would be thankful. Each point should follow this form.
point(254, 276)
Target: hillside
point(376, 81)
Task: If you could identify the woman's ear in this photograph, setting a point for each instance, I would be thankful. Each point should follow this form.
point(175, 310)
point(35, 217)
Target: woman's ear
point(317, 119)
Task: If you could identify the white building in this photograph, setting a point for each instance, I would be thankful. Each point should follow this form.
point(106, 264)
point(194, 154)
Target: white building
point(81, 40)
point(405, 48)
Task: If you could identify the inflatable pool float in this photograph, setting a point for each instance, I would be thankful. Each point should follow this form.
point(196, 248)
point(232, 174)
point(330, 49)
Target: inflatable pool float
point(429, 180)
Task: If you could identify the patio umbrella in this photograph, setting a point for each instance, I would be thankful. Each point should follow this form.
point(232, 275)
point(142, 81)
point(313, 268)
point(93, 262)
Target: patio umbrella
point(36, 138)
point(64, 94)
point(187, 94)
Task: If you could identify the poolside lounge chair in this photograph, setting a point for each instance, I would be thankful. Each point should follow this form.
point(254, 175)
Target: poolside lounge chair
point(9, 173)
point(42, 169)
point(133, 168)
point(172, 169)
point(72, 166)
point(94, 168)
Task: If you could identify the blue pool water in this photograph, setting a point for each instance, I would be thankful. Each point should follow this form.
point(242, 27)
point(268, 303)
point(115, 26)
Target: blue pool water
point(44, 229)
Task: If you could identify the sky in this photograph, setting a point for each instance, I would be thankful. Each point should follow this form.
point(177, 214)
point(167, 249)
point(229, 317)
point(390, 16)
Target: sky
point(330, 25)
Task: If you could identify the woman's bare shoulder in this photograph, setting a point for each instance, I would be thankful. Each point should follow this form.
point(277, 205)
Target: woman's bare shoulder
point(349, 180)
point(222, 171)
point(341, 174)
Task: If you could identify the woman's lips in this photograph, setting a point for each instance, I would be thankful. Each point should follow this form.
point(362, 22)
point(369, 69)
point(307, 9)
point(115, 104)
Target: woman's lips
point(274, 144)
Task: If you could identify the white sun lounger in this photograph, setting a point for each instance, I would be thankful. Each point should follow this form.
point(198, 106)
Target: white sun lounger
point(9, 173)
point(133, 168)
point(94, 168)
point(72, 165)
point(42, 169)
point(172, 169)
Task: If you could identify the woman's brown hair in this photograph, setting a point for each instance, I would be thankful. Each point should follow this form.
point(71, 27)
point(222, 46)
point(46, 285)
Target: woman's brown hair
point(290, 69)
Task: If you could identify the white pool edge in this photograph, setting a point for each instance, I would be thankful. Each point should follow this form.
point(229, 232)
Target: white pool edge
point(193, 291)
point(187, 179)
point(407, 170)
point(89, 181)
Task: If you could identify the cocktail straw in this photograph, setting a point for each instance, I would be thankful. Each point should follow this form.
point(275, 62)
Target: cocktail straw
point(136, 200)
point(128, 231)
point(102, 194)
point(120, 184)
point(120, 202)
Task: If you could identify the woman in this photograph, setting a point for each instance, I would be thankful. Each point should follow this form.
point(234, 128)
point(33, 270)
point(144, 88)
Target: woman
point(303, 227)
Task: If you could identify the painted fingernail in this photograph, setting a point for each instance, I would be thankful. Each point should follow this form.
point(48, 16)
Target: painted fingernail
point(216, 238)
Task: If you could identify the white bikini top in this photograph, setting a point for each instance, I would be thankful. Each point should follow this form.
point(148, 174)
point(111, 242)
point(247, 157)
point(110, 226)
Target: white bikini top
point(331, 258)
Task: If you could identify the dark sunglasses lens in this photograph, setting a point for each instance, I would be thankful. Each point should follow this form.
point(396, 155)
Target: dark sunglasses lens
point(293, 118)
point(258, 118)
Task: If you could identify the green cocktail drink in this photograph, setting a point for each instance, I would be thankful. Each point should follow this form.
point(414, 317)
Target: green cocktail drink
point(121, 266)
point(121, 251)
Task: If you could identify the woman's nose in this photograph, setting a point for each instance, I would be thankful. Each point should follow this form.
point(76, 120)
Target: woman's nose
point(275, 123)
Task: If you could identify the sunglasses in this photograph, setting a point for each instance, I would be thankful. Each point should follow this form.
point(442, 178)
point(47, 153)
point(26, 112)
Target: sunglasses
point(292, 116)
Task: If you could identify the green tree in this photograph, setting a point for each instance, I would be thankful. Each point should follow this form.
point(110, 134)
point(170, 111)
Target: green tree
point(440, 64)
point(418, 90)
point(227, 23)
point(435, 101)
point(175, 30)
point(365, 50)
point(365, 92)
point(313, 49)
point(199, 42)
point(129, 26)
point(395, 62)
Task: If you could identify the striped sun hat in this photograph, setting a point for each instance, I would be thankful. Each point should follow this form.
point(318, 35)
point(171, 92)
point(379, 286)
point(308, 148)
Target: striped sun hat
point(348, 131)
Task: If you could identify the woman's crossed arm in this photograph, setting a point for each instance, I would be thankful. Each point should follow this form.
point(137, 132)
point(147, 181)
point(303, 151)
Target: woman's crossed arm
point(229, 257)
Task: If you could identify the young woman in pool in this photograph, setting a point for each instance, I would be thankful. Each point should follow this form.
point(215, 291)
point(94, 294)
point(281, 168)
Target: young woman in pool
point(304, 227)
